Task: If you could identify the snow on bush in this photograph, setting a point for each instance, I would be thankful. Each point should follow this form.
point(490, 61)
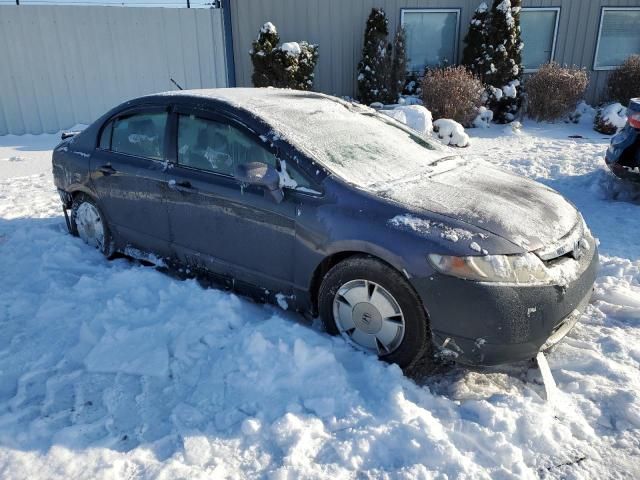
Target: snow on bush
point(610, 118)
point(483, 119)
point(292, 48)
point(451, 132)
point(553, 91)
point(583, 113)
point(414, 116)
point(452, 92)
point(409, 100)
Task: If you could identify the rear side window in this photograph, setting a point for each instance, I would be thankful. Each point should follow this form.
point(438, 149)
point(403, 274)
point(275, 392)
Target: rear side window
point(140, 134)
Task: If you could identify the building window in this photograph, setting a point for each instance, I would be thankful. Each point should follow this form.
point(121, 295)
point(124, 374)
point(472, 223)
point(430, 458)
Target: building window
point(539, 28)
point(432, 37)
point(618, 38)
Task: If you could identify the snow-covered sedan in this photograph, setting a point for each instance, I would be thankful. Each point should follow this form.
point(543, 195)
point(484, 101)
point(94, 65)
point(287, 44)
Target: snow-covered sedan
point(401, 246)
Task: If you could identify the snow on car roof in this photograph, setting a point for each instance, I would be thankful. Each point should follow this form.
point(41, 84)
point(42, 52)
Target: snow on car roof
point(352, 141)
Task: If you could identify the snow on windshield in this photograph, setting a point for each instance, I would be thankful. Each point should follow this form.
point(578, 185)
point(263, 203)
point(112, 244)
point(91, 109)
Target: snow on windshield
point(363, 148)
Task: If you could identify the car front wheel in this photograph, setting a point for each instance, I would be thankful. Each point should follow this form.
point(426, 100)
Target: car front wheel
point(374, 308)
point(88, 223)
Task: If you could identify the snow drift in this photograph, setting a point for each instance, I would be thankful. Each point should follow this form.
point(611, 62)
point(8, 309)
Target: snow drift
point(224, 388)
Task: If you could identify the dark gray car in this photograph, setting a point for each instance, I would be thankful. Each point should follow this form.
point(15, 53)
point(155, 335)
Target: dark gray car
point(400, 245)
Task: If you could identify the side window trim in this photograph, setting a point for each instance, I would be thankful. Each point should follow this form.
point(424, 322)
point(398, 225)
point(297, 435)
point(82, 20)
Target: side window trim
point(107, 125)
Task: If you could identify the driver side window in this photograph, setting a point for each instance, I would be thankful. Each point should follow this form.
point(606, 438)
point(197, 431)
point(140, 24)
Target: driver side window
point(218, 147)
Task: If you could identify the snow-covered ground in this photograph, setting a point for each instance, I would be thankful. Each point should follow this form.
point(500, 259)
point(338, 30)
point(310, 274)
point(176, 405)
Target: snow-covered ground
point(115, 370)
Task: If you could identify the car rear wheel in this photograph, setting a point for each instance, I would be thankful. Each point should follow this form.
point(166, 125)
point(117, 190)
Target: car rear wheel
point(374, 308)
point(88, 223)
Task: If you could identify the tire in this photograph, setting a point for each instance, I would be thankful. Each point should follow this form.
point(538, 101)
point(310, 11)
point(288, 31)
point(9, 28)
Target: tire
point(88, 223)
point(411, 345)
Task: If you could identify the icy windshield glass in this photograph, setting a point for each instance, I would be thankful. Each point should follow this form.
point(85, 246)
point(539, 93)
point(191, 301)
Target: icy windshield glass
point(362, 147)
point(352, 141)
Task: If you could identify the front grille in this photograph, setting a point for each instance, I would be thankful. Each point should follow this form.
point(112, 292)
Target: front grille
point(572, 245)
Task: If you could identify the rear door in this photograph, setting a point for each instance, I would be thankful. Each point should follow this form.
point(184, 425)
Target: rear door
point(128, 174)
point(216, 222)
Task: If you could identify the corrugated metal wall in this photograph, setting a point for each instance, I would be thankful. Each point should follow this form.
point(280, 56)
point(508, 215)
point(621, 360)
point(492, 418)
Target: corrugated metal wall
point(63, 65)
point(338, 27)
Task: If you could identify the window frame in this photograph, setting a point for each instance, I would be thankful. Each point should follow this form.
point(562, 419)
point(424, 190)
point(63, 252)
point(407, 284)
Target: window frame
point(278, 153)
point(457, 11)
point(603, 10)
point(558, 11)
point(139, 109)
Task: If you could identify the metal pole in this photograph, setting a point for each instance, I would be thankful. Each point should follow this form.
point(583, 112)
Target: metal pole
point(17, 2)
point(188, 3)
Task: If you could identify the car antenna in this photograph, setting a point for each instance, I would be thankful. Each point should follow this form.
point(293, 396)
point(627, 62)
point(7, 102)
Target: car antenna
point(176, 83)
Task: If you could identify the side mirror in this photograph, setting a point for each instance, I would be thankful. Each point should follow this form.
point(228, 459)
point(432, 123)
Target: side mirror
point(261, 174)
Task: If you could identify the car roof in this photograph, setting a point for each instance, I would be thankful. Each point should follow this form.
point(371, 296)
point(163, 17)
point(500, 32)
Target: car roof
point(248, 99)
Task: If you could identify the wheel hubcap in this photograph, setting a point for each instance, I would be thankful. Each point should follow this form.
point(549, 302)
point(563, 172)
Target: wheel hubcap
point(369, 317)
point(89, 225)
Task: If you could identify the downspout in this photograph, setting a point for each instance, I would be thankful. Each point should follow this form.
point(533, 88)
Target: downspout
point(228, 43)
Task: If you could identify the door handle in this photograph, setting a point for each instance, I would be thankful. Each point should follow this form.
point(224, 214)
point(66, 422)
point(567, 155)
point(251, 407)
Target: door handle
point(181, 185)
point(107, 169)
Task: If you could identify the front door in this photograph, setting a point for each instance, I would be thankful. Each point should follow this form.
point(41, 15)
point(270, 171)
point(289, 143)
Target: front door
point(128, 175)
point(216, 222)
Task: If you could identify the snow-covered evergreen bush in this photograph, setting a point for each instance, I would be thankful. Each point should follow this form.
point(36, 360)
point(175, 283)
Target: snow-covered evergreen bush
point(476, 41)
point(554, 91)
point(398, 71)
point(307, 61)
point(502, 62)
point(289, 65)
point(452, 92)
point(483, 119)
point(382, 69)
point(261, 55)
point(412, 85)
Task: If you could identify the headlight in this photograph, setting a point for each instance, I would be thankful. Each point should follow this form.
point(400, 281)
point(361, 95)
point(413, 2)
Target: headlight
point(526, 269)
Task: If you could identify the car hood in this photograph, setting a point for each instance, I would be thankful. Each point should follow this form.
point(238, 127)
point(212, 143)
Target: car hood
point(525, 212)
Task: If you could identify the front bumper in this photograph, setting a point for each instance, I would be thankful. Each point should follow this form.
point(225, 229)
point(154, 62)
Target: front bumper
point(491, 324)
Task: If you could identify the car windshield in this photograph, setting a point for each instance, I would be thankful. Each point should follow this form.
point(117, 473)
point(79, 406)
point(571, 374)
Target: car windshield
point(362, 147)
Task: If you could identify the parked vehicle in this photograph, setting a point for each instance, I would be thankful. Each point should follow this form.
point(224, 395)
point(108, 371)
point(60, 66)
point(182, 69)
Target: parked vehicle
point(623, 155)
point(401, 246)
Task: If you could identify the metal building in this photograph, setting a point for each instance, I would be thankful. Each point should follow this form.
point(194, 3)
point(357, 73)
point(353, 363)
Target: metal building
point(595, 34)
point(64, 65)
